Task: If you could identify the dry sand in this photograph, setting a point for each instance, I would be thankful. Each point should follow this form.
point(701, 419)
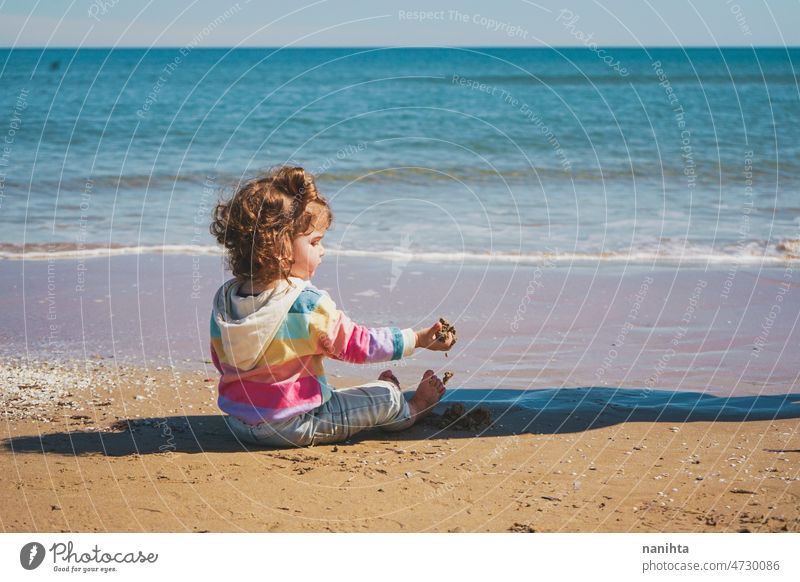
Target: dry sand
point(91, 446)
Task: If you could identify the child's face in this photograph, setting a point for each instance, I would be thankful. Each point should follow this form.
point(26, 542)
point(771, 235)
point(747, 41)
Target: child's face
point(308, 252)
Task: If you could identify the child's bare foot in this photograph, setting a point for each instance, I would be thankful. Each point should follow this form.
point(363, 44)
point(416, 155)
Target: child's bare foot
point(428, 394)
point(389, 375)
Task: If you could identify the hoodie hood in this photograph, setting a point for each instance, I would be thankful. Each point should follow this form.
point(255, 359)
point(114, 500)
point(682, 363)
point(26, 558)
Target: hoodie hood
point(248, 324)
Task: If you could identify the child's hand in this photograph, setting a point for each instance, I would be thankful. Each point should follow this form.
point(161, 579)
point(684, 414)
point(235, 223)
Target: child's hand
point(426, 338)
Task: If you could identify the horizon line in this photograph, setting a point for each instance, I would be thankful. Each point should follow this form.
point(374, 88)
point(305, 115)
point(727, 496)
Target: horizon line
point(420, 46)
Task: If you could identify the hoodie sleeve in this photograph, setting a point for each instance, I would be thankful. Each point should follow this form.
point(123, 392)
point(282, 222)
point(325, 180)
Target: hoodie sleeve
point(340, 338)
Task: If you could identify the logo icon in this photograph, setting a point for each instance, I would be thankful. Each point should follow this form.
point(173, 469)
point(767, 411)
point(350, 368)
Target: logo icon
point(31, 555)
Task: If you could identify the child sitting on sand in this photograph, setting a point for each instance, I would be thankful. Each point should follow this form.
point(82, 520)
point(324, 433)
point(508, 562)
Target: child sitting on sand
point(271, 328)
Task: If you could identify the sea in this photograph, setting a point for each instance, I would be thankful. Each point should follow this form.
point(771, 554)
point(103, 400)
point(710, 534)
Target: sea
point(514, 155)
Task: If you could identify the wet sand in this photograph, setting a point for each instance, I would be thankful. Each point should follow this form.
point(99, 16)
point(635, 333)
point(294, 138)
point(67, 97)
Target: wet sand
point(728, 330)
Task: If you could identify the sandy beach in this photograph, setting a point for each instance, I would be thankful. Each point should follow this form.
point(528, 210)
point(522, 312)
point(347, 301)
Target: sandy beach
point(624, 399)
point(93, 446)
point(603, 202)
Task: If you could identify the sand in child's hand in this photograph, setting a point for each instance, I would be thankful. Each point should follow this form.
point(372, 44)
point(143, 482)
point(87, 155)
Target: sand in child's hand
point(447, 331)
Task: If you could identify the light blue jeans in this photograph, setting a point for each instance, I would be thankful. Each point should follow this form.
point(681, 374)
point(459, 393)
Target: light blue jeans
point(348, 411)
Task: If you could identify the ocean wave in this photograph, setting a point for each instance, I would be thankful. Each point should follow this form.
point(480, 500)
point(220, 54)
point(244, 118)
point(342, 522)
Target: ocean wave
point(109, 182)
point(720, 173)
point(59, 251)
point(671, 257)
point(787, 251)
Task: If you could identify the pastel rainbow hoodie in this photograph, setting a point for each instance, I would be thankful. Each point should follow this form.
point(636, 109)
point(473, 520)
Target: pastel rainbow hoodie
point(269, 348)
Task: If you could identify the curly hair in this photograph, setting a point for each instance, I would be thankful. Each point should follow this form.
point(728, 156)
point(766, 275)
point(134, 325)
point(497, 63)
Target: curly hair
point(257, 225)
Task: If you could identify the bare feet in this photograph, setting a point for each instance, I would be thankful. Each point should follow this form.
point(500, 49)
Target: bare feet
point(389, 375)
point(430, 391)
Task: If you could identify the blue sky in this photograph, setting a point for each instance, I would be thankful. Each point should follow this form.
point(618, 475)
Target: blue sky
point(60, 23)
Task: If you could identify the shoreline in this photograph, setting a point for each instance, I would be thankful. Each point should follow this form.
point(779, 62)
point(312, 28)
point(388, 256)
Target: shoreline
point(726, 331)
point(780, 254)
point(124, 450)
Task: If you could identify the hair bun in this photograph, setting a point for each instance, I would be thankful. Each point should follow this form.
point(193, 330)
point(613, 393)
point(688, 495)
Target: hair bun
point(294, 182)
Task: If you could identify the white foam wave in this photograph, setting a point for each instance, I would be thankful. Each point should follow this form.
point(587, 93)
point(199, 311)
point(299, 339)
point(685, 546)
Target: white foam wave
point(662, 255)
point(538, 258)
point(41, 253)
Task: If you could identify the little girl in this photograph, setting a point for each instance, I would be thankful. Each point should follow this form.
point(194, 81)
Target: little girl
point(271, 328)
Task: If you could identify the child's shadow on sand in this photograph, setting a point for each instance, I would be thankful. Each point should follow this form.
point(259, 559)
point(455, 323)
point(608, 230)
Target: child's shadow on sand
point(551, 411)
